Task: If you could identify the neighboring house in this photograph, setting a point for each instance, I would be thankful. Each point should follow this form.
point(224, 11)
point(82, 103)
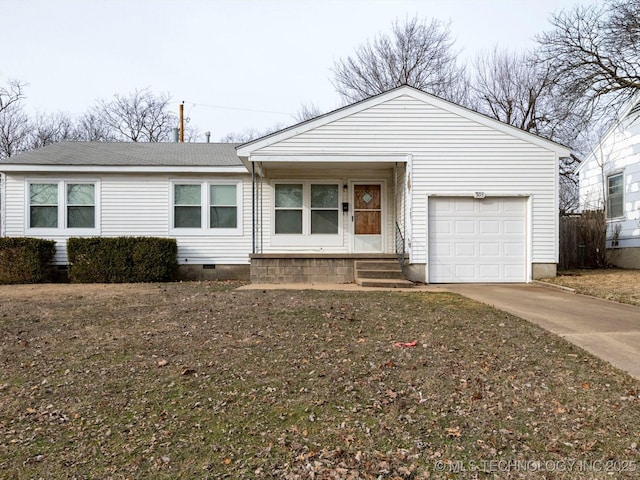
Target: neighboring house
point(610, 179)
point(455, 195)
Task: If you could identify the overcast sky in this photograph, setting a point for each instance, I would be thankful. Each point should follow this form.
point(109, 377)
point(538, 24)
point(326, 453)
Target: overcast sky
point(235, 64)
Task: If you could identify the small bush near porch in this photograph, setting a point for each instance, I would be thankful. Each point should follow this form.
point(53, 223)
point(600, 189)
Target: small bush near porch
point(122, 259)
point(197, 380)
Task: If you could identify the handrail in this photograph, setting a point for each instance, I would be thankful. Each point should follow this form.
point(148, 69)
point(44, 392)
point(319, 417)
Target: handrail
point(400, 245)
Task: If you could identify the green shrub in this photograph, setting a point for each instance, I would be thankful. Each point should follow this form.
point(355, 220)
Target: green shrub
point(122, 259)
point(26, 260)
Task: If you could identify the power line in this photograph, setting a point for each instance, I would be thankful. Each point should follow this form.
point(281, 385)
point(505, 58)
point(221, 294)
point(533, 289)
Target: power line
point(224, 107)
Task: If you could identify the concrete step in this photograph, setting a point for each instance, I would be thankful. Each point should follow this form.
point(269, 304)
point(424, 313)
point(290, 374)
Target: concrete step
point(384, 283)
point(378, 265)
point(389, 274)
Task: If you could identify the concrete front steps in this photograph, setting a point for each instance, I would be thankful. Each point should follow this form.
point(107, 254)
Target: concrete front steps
point(380, 273)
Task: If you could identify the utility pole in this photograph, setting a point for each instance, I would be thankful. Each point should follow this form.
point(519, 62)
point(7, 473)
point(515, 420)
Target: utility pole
point(182, 122)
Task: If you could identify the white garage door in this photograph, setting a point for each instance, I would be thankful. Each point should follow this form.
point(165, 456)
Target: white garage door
point(477, 240)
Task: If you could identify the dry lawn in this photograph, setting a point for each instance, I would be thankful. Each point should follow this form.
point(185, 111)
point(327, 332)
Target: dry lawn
point(611, 284)
point(197, 380)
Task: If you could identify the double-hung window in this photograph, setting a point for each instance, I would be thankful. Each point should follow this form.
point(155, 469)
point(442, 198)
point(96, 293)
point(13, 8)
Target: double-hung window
point(615, 196)
point(207, 206)
point(64, 205)
point(187, 206)
point(308, 211)
point(81, 205)
point(223, 206)
point(43, 205)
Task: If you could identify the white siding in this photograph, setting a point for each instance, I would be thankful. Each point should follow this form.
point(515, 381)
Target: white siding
point(139, 205)
point(619, 152)
point(452, 155)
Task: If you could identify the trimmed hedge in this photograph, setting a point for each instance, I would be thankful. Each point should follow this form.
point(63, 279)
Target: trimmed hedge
point(26, 260)
point(122, 259)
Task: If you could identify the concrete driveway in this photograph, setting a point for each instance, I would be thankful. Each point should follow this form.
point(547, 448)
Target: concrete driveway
point(606, 329)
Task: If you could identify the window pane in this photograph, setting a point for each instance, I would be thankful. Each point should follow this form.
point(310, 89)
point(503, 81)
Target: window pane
point(324, 196)
point(324, 221)
point(223, 195)
point(289, 221)
point(78, 194)
point(187, 195)
point(187, 217)
point(43, 217)
point(43, 193)
point(615, 185)
point(615, 206)
point(224, 217)
point(80, 217)
point(289, 196)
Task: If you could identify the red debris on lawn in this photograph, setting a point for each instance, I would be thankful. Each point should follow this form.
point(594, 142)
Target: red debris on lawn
point(405, 345)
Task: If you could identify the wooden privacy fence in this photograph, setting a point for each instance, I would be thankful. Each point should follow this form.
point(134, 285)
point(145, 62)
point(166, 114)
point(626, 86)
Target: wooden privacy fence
point(583, 240)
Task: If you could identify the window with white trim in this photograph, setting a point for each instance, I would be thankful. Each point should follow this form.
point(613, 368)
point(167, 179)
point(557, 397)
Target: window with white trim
point(223, 206)
point(43, 205)
point(187, 206)
point(307, 208)
point(62, 204)
point(207, 206)
point(615, 195)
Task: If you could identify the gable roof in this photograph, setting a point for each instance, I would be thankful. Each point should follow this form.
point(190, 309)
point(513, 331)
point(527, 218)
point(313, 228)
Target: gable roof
point(245, 149)
point(124, 154)
point(630, 110)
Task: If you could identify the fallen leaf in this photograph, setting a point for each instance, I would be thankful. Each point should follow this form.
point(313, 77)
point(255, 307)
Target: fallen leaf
point(453, 432)
point(586, 385)
point(162, 363)
point(226, 461)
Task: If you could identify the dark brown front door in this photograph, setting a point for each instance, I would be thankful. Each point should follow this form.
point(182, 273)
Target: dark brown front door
point(367, 218)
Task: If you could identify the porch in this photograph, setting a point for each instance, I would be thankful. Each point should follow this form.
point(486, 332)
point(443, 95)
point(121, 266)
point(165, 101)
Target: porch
point(369, 269)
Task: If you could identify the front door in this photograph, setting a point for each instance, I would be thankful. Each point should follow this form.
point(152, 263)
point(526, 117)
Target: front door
point(367, 217)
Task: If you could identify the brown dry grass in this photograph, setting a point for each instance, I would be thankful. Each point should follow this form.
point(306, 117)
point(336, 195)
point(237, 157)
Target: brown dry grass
point(197, 380)
point(611, 284)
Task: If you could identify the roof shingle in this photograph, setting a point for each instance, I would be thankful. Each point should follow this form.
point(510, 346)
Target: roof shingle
point(130, 154)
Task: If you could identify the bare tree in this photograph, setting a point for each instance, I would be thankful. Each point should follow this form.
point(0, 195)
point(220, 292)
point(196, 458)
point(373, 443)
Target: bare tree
point(90, 127)
point(11, 94)
point(139, 117)
point(517, 89)
point(249, 134)
point(594, 52)
point(13, 121)
point(416, 53)
point(51, 128)
point(307, 111)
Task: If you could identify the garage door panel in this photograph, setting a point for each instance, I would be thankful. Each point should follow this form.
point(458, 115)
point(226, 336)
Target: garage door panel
point(442, 249)
point(441, 226)
point(465, 270)
point(513, 249)
point(464, 227)
point(513, 227)
point(465, 249)
point(489, 227)
point(477, 240)
point(488, 271)
point(514, 271)
point(489, 249)
point(461, 205)
point(488, 206)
